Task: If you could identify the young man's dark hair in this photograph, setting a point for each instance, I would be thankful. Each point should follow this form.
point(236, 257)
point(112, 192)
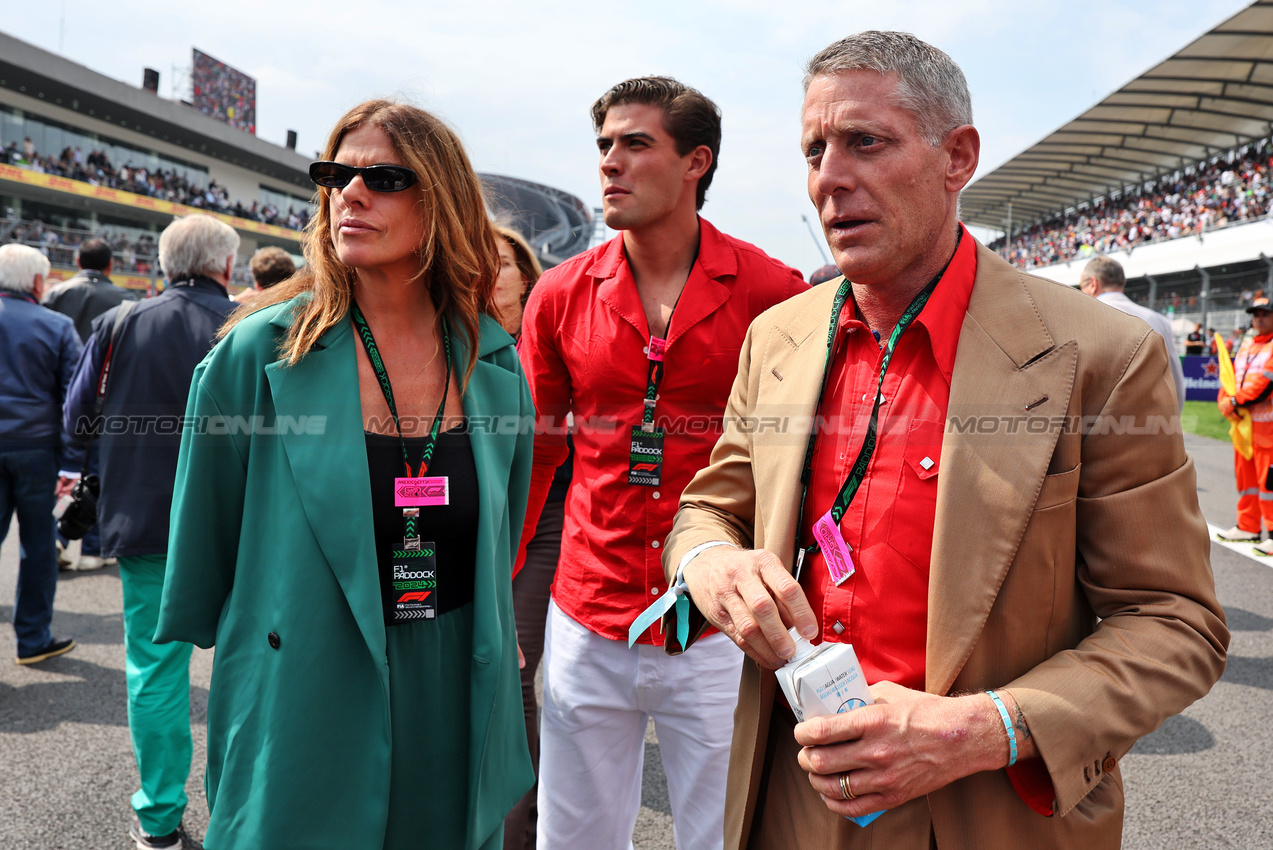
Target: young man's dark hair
point(689, 116)
point(95, 254)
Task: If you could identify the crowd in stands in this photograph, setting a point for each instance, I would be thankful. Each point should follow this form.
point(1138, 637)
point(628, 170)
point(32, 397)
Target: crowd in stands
point(224, 93)
point(1208, 196)
point(96, 169)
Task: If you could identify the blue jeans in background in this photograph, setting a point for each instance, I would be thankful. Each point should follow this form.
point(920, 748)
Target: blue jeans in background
point(28, 478)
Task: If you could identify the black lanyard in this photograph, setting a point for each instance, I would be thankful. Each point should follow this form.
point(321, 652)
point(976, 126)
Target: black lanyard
point(858, 471)
point(378, 366)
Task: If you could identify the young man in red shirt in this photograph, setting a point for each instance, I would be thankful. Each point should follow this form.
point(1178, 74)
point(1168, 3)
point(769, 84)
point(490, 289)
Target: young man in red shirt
point(639, 339)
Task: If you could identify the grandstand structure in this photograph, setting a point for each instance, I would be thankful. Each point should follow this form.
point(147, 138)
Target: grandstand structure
point(82, 154)
point(556, 224)
point(1170, 175)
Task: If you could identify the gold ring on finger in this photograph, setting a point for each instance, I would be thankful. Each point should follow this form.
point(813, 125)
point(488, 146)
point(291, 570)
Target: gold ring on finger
point(845, 788)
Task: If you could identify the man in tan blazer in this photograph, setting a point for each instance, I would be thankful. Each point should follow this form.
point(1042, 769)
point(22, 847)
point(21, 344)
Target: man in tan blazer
point(1069, 571)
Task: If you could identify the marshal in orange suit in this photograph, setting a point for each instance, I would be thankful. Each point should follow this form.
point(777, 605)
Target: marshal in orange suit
point(1066, 605)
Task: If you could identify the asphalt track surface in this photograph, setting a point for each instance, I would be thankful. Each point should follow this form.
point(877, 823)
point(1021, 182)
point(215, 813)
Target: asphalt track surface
point(66, 770)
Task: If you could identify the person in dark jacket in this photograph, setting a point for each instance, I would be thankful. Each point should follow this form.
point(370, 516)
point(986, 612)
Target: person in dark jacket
point(154, 355)
point(83, 298)
point(90, 293)
point(38, 350)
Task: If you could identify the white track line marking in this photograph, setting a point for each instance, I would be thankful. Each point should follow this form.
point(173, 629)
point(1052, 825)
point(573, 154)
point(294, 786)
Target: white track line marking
point(1240, 548)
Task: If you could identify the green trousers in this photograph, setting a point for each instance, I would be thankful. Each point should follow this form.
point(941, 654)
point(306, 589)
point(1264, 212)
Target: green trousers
point(158, 698)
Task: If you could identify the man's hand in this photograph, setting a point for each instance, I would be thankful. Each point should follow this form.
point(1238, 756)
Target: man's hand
point(1228, 406)
point(904, 746)
point(64, 485)
point(750, 596)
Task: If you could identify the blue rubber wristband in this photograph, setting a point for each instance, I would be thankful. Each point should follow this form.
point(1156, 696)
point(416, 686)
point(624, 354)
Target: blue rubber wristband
point(1007, 726)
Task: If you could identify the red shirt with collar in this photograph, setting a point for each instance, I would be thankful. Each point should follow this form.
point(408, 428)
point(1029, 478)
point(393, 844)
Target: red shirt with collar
point(583, 348)
point(882, 609)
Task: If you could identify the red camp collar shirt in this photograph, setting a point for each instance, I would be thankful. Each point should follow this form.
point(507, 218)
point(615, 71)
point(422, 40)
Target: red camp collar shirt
point(882, 609)
point(583, 349)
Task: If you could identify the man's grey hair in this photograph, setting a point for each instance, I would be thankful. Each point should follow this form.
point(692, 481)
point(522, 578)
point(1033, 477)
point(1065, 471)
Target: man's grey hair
point(1108, 273)
point(19, 264)
point(197, 245)
point(930, 85)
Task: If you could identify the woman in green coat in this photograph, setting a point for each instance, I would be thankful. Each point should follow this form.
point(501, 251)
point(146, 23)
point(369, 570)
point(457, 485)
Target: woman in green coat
point(352, 484)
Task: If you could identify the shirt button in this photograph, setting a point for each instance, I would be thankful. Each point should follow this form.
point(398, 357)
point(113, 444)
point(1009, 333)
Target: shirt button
point(865, 396)
point(838, 628)
point(654, 544)
point(273, 639)
point(654, 591)
point(655, 494)
point(645, 350)
point(1109, 764)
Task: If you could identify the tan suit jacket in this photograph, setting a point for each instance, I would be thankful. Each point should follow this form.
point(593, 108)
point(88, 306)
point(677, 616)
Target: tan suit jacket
point(1070, 561)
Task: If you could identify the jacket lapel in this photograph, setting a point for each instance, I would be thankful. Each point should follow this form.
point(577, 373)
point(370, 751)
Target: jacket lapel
point(330, 471)
point(791, 376)
point(1009, 392)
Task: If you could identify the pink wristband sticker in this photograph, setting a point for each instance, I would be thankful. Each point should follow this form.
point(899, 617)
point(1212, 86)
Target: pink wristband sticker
point(834, 550)
point(421, 492)
point(657, 347)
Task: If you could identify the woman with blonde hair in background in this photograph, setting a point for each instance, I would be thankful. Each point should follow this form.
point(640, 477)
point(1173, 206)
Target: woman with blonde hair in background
point(347, 511)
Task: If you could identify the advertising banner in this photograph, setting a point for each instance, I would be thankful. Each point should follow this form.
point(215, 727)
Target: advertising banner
point(1202, 377)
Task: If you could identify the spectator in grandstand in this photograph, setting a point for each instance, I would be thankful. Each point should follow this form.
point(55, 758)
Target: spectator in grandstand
point(600, 340)
point(1024, 607)
point(83, 298)
point(153, 354)
point(1104, 280)
point(38, 350)
point(518, 270)
point(1252, 368)
point(1194, 342)
point(363, 620)
point(269, 266)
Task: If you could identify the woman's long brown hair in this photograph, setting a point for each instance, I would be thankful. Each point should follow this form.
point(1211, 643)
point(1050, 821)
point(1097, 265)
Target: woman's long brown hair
point(459, 260)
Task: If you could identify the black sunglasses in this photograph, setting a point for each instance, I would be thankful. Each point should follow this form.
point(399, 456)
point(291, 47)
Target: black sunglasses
point(377, 178)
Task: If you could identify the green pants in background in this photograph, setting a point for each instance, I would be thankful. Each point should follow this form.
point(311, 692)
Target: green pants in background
point(158, 698)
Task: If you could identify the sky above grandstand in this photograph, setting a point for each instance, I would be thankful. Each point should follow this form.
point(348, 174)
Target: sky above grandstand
point(516, 79)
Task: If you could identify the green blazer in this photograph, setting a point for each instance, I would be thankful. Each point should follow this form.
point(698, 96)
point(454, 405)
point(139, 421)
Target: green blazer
point(272, 559)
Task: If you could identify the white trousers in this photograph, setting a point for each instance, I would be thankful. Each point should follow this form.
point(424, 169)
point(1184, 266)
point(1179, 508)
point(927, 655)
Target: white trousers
point(598, 697)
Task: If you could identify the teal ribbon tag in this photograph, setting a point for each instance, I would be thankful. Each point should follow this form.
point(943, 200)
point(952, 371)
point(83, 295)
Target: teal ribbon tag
point(678, 595)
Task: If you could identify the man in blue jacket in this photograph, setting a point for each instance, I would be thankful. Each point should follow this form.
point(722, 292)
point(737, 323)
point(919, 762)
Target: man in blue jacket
point(153, 356)
point(38, 350)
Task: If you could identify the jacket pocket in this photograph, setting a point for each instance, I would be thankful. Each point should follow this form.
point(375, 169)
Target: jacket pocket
point(1058, 489)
